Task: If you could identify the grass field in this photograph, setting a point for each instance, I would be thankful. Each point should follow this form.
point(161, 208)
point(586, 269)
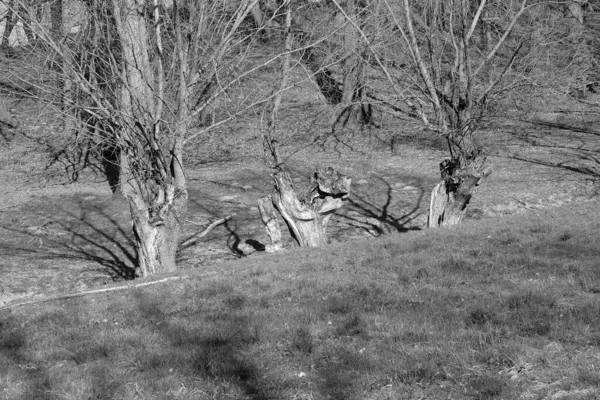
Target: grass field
point(503, 308)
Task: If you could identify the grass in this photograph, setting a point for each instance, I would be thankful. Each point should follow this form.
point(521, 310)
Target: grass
point(497, 309)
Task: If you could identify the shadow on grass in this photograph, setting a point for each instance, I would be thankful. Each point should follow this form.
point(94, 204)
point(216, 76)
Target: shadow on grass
point(13, 345)
point(30, 377)
point(214, 350)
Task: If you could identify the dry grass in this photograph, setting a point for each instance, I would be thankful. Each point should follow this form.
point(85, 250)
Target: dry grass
point(497, 309)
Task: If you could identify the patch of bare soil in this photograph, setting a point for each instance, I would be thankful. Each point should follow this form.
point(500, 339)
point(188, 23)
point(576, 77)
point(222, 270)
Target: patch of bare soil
point(58, 237)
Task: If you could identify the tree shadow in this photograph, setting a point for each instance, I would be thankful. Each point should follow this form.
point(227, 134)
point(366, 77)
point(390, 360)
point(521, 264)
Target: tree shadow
point(569, 147)
point(216, 351)
point(235, 243)
point(234, 240)
point(35, 375)
point(13, 349)
point(375, 214)
point(92, 235)
point(338, 373)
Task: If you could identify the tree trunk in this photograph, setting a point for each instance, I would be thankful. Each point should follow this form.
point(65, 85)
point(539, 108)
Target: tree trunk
point(311, 56)
point(8, 26)
point(26, 18)
point(269, 218)
point(63, 59)
point(156, 242)
point(583, 57)
point(354, 106)
point(156, 225)
point(308, 217)
point(329, 87)
point(450, 197)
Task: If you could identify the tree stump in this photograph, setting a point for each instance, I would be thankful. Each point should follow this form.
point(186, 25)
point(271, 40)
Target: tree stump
point(306, 216)
point(450, 197)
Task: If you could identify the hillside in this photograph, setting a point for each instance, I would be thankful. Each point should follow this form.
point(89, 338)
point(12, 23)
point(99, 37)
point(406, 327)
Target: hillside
point(502, 308)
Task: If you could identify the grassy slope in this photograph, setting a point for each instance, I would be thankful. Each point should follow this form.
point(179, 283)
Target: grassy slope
point(499, 308)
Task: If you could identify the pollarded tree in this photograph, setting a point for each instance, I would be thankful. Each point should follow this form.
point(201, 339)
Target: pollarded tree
point(144, 73)
point(448, 63)
point(306, 214)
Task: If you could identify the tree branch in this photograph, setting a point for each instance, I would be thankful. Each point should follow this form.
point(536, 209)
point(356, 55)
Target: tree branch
point(194, 238)
point(92, 292)
point(476, 19)
point(502, 39)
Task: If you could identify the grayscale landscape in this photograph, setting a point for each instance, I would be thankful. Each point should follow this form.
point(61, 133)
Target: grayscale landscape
point(303, 200)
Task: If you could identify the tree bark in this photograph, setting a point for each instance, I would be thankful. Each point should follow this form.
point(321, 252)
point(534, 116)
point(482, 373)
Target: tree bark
point(307, 217)
point(355, 108)
point(9, 25)
point(26, 15)
point(156, 243)
point(269, 218)
point(450, 197)
point(64, 84)
point(156, 225)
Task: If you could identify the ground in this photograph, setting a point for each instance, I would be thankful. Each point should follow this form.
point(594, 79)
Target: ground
point(61, 237)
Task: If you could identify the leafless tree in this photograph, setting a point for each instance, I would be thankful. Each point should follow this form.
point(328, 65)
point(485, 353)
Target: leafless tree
point(443, 63)
point(306, 214)
point(143, 76)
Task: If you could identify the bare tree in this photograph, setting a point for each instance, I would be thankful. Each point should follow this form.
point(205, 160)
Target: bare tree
point(143, 74)
point(306, 215)
point(443, 75)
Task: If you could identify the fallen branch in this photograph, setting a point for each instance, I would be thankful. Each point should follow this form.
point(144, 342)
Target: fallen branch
point(194, 238)
point(90, 292)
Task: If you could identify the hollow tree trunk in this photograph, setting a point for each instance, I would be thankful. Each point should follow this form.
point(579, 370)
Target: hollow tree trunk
point(307, 217)
point(450, 197)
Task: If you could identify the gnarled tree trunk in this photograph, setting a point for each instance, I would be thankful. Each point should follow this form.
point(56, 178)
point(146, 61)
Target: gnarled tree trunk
point(156, 223)
point(450, 197)
point(157, 238)
point(307, 217)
